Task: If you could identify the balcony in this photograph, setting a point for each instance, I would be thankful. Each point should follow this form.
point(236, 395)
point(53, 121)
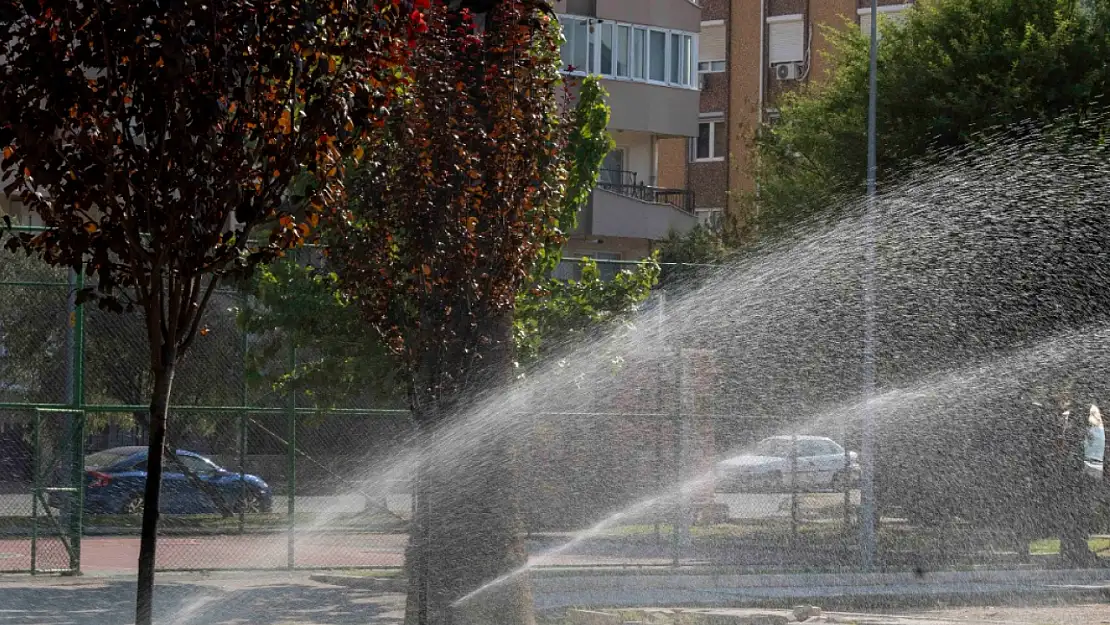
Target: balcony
point(648, 68)
point(623, 206)
point(625, 183)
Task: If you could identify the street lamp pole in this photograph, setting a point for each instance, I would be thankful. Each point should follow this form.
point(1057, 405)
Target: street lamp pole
point(868, 514)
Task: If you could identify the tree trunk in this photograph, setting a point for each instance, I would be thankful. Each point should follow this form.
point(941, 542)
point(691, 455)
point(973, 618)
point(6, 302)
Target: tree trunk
point(159, 412)
point(466, 530)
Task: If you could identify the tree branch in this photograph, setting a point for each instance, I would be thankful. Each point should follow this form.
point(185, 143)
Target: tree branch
point(187, 340)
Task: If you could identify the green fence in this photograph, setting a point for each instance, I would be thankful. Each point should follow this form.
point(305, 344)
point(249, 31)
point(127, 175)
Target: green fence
point(74, 381)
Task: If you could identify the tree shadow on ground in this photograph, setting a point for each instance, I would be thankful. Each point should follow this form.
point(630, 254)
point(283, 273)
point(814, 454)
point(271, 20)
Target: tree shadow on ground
point(112, 603)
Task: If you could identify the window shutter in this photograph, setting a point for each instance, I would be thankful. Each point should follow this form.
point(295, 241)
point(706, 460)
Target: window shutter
point(787, 41)
point(712, 43)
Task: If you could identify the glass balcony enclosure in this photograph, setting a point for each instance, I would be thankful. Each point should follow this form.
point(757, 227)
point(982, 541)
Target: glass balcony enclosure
point(630, 52)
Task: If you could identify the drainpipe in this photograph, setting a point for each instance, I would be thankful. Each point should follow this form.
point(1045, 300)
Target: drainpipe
point(762, 54)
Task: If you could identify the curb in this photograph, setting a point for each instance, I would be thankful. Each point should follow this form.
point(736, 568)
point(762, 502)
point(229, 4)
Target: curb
point(872, 592)
point(376, 584)
point(865, 602)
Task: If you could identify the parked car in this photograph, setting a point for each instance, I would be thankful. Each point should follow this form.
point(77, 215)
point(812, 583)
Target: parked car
point(819, 462)
point(115, 480)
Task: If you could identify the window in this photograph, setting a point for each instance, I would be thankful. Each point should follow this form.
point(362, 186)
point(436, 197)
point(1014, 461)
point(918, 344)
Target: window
point(102, 459)
point(710, 217)
point(591, 49)
point(627, 51)
point(607, 270)
point(686, 61)
point(577, 34)
point(893, 12)
point(606, 36)
point(774, 448)
point(195, 464)
point(612, 168)
point(711, 142)
point(624, 51)
point(675, 64)
point(657, 56)
point(712, 47)
point(567, 270)
point(787, 39)
point(639, 53)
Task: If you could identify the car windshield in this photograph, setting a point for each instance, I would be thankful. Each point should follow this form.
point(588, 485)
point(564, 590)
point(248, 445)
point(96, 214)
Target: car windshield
point(106, 458)
point(774, 447)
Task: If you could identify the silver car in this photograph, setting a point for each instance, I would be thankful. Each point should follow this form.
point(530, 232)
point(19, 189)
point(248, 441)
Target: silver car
point(819, 462)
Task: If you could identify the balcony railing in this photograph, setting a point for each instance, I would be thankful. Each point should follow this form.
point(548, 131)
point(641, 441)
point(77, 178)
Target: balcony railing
point(624, 183)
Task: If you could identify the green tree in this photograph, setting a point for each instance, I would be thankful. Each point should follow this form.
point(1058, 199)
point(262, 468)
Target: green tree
point(299, 302)
point(552, 313)
point(950, 74)
point(689, 258)
point(450, 219)
point(556, 313)
point(32, 331)
point(340, 359)
point(154, 139)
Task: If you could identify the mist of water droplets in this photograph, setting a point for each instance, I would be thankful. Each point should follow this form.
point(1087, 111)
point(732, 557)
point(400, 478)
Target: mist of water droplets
point(992, 289)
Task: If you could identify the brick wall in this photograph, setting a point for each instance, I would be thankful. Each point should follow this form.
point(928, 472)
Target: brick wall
point(672, 163)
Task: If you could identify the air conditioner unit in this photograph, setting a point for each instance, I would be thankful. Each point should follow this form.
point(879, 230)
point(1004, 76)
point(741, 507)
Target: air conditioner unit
point(788, 71)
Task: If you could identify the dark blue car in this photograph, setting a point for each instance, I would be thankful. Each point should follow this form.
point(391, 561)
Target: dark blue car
point(115, 479)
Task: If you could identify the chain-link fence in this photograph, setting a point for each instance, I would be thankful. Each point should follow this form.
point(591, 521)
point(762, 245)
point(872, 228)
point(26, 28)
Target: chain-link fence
point(261, 482)
point(650, 457)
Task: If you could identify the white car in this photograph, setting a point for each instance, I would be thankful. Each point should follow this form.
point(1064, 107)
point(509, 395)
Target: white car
point(819, 462)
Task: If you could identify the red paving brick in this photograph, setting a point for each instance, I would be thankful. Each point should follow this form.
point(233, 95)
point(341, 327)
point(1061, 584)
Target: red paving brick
point(104, 554)
point(119, 554)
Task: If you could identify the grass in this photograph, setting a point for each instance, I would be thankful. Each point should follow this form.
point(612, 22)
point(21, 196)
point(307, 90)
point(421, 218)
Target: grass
point(773, 529)
point(893, 538)
point(1051, 546)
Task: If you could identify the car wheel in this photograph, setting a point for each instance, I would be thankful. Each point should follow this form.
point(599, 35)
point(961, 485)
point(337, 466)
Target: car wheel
point(250, 503)
point(134, 506)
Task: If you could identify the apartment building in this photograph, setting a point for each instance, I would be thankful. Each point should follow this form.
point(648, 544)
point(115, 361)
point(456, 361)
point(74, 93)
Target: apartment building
point(751, 53)
point(645, 52)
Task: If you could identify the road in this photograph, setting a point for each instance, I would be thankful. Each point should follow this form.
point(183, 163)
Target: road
point(315, 547)
point(741, 506)
point(119, 554)
point(295, 599)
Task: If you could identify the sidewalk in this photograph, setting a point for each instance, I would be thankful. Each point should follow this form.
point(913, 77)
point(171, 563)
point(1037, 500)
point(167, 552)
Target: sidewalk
point(839, 590)
point(261, 598)
point(555, 589)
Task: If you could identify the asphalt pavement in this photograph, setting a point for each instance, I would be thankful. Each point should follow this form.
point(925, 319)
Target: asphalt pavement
point(741, 506)
point(1025, 598)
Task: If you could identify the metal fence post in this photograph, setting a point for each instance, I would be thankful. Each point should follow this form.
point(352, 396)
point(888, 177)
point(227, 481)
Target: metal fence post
point(36, 488)
point(681, 531)
point(76, 420)
point(794, 486)
point(292, 458)
point(244, 400)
